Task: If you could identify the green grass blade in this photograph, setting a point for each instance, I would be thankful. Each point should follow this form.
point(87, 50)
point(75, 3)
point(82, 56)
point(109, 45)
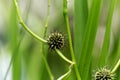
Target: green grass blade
point(106, 42)
point(65, 13)
point(118, 74)
point(44, 54)
point(13, 33)
point(14, 55)
point(89, 39)
point(80, 20)
point(17, 67)
point(36, 67)
point(13, 28)
point(114, 56)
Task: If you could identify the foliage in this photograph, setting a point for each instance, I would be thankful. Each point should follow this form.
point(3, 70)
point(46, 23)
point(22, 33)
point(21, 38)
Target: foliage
point(37, 53)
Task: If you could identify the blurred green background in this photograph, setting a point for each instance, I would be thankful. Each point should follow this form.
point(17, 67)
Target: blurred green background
point(26, 51)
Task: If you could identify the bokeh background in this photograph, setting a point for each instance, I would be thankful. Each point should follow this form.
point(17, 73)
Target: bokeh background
point(28, 60)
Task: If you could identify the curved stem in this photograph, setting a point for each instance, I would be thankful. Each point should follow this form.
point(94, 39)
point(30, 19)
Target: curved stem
point(116, 66)
point(33, 34)
point(64, 75)
point(63, 57)
point(65, 12)
point(25, 26)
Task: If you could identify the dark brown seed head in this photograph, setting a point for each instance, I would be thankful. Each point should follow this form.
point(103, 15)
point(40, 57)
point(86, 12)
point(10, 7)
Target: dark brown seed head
point(104, 74)
point(55, 40)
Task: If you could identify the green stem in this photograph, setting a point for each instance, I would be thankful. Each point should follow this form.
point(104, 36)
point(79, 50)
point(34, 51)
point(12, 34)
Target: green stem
point(65, 12)
point(64, 75)
point(47, 19)
point(33, 34)
point(63, 57)
point(28, 7)
point(45, 31)
point(25, 26)
point(116, 66)
point(47, 67)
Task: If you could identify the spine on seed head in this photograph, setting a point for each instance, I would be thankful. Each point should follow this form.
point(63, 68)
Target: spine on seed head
point(55, 40)
point(104, 74)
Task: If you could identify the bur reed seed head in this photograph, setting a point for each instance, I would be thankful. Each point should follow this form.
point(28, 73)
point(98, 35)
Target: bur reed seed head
point(55, 40)
point(104, 74)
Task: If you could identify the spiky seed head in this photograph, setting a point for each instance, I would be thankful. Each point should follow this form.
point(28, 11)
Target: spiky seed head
point(104, 74)
point(55, 40)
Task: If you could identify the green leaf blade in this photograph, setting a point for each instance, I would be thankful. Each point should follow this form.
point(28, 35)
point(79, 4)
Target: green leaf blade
point(106, 42)
point(89, 38)
point(81, 15)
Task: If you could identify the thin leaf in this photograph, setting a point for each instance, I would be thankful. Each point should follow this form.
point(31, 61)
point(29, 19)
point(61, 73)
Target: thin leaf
point(13, 31)
point(89, 39)
point(80, 20)
point(106, 42)
point(36, 67)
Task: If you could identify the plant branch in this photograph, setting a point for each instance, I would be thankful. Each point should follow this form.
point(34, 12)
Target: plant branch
point(116, 66)
point(63, 57)
point(67, 73)
point(65, 12)
point(47, 19)
point(25, 26)
point(63, 76)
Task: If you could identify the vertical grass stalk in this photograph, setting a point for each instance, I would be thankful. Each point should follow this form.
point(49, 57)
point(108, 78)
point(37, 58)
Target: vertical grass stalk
point(89, 39)
point(14, 45)
point(47, 67)
point(65, 12)
point(47, 19)
point(42, 47)
point(80, 21)
point(106, 42)
point(12, 59)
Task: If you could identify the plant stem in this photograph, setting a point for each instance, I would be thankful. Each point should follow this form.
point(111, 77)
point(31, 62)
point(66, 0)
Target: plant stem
point(65, 12)
point(61, 77)
point(25, 26)
point(47, 19)
point(63, 57)
point(33, 34)
point(64, 75)
point(44, 35)
point(47, 67)
point(116, 66)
